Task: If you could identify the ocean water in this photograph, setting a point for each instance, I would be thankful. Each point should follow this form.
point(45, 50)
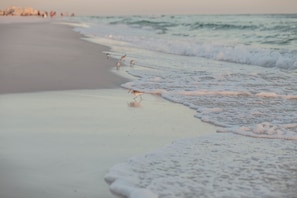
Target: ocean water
point(239, 72)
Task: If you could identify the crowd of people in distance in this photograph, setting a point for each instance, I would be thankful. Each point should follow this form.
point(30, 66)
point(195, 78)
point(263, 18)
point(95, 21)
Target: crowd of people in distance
point(28, 11)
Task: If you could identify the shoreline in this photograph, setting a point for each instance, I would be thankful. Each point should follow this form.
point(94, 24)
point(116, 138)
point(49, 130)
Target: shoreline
point(61, 133)
point(63, 143)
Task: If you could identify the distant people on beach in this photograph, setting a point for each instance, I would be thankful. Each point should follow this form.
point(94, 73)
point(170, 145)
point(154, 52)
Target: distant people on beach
point(52, 14)
point(43, 14)
point(28, 11)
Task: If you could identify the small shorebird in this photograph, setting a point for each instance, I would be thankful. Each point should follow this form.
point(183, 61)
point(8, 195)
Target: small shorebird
point(107, 55)
point(118, 65)
point(132, 63)
point(135, 93)
point(123, 58)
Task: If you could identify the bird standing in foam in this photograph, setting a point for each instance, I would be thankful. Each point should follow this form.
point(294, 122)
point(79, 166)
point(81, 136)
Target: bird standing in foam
point(132, 63)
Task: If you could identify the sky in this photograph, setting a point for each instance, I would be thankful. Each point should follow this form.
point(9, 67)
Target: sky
point(157, 7)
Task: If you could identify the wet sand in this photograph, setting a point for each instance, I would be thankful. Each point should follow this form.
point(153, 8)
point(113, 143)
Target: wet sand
point(42, 56)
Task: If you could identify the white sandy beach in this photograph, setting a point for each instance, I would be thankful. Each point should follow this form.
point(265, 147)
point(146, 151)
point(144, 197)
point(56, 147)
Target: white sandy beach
point(62, 139)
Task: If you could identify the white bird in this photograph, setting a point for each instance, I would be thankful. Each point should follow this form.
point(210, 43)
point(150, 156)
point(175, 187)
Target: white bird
point(107, 55)
point(123, 58)
point(118, 65)
point(132, 63)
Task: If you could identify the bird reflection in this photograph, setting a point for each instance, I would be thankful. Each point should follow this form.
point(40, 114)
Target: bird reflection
point(134, 104)
point(137, 99)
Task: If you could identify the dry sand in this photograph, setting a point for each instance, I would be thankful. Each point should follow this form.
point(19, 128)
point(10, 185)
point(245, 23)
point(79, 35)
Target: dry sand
point(61, 143)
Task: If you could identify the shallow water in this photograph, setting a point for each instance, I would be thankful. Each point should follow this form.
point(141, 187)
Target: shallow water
point(239, 73)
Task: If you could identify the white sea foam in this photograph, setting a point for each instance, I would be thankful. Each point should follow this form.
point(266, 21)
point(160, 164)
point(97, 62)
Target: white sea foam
point(246, 97)
point(222, 52)
point(222, 166)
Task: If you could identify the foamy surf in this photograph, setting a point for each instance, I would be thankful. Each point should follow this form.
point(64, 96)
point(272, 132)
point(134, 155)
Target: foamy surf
point(221, 165)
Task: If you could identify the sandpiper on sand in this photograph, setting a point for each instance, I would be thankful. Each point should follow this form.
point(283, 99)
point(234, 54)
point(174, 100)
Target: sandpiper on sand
point(135, 93)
